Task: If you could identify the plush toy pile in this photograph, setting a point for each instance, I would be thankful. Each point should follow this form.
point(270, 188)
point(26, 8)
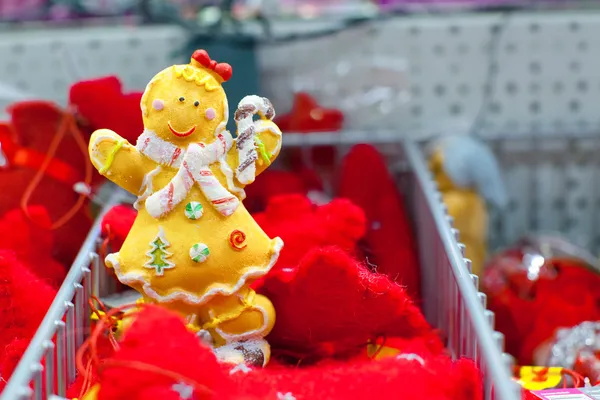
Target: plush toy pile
point(342, 331)
point(45, 181)
point(45, 152)
point(27, 272)
point(529, 312)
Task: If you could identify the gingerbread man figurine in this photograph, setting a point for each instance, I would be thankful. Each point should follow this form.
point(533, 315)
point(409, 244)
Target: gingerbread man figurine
point(194, 248)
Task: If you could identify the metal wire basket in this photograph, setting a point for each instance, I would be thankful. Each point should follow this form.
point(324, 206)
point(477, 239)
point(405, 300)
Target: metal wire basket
point(451, 302)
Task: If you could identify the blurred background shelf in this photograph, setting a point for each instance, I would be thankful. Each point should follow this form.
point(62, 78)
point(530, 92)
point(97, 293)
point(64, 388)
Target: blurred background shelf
point(493, 74)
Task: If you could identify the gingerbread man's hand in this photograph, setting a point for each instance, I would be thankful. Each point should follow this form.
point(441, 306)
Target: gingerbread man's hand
point(258, 142)
point(118, 160)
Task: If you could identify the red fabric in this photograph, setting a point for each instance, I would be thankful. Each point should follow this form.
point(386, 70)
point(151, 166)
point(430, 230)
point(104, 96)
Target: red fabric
point(117, 223)
point(389, 242)
point(159, 337)
point(157, 333)
point(32, 243)
point(10, 355)
point(389, 378)
point(24, 300)
point(308, 116)
point(330, 304)
point(33, 125)
point(102, 103)
point(273, 183)
point(303, 226)
point(566, 300)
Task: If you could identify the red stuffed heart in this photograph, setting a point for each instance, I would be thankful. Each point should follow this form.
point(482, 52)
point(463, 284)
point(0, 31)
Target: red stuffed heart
point(330, 299)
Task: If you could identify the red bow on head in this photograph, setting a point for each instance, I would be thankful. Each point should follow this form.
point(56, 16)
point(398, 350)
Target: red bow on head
point(222, 69)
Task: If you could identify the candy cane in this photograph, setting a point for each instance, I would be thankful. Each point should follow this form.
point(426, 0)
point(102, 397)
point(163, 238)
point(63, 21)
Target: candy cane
point(246, 127)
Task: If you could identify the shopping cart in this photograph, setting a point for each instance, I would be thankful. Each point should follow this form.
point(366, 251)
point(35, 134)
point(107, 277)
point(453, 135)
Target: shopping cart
point(451, 302)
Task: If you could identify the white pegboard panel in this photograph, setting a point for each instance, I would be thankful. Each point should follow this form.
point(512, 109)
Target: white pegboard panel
point(423, 75)
point(544, 81)
point(45, 62)
point(554, 187)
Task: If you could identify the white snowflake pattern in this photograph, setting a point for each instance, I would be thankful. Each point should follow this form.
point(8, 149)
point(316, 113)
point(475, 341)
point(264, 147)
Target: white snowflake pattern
point(240, 368)
point(186, 392)
point(285, 396)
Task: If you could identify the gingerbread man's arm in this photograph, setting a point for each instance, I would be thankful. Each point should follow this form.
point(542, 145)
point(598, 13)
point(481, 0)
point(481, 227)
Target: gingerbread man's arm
point(268, 139)
point(118, 160)
point(268, 144)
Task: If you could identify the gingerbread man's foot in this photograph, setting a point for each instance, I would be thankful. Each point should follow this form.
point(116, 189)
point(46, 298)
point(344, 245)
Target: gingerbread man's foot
point(255, 353)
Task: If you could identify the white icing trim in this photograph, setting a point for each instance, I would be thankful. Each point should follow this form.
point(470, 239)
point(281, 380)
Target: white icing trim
point(111, 260)
point(146, 189)
point(163, 238)
point(226, 169)
point(99, 163)
point(133, 278)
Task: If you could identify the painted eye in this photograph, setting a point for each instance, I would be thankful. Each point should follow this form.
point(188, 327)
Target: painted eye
point(196, 103)
point(182, 99)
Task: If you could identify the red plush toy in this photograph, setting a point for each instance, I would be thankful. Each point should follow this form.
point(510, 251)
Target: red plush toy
point(171, 348)
point(308, 116)
point(46, 156)
point(304, 226)
point(32, 243)
point(117, 223)
point(561, 293)
point(273, 183)
point(45, 161)
point(389, 243)
point(101, 103)
point(329, 308)
point(19, 315)
point(329, 304)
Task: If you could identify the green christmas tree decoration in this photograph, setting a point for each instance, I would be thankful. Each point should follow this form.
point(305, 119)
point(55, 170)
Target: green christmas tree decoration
point(158, 254)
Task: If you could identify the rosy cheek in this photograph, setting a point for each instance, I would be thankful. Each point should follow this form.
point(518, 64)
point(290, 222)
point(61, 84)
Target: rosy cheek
point(158, 105)
point(210, 114)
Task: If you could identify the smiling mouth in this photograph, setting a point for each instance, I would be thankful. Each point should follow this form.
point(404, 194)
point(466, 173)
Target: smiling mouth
point(181, 134)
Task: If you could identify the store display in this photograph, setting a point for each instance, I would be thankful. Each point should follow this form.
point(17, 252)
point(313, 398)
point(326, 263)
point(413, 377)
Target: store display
point(19, 10)
point(583, 393)
point(468, 176)
point(332, 312)
point(185, 154)
point(537, 286)
point(365, 180)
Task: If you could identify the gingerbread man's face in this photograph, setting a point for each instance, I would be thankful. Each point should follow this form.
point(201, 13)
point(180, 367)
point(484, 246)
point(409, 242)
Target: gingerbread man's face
point(183, 104)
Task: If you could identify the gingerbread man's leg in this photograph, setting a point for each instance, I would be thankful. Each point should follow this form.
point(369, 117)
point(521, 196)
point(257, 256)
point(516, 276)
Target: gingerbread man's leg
point(238, 325)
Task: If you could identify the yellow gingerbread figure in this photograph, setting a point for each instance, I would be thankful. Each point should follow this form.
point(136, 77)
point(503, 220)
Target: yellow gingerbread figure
point(194, 248)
